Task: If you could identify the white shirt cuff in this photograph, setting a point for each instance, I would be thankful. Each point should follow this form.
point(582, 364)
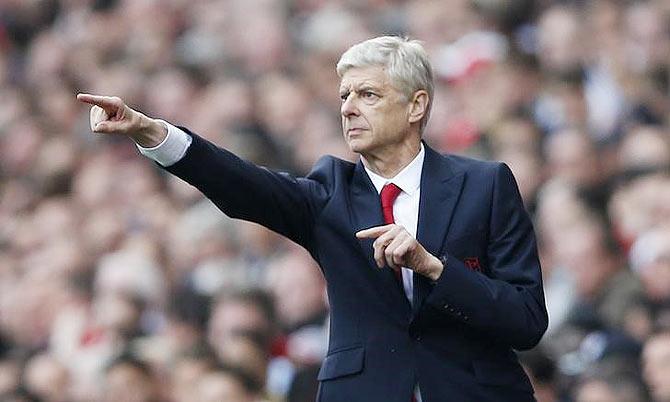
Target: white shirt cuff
point(172, 149)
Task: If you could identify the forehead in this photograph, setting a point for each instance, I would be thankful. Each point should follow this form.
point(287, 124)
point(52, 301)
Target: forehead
point(357, 77)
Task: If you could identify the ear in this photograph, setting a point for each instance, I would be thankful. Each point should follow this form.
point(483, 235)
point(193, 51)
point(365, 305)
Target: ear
point(418, 106)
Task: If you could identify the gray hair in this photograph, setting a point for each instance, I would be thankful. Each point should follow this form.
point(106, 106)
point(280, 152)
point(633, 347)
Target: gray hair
point(405, 60)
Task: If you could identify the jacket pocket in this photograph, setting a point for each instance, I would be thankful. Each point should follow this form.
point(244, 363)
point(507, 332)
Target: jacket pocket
point(342, 362)
point(501, 373)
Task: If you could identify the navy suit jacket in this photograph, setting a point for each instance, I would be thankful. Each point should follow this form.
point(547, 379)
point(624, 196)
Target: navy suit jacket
point(457, 340)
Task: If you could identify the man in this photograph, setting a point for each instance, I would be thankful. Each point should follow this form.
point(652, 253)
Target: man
point(430, 261)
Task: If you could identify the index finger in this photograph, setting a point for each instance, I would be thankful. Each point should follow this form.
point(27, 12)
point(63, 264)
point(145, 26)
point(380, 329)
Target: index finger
point(102, 101)
point(373, 232)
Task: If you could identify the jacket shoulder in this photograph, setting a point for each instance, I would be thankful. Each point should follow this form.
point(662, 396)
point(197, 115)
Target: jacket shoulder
point(473, 166)
point(329, 169)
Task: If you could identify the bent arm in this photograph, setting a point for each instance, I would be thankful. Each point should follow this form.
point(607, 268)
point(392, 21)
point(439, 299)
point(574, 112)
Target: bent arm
point(241, 189)
point(509, 303)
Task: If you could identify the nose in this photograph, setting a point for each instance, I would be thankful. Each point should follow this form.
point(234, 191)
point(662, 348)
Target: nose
point(349, 108)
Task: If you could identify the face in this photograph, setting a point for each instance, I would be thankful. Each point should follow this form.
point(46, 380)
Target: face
point(656, 363)
point(231, 316)
point(595, 391)
point(298, 288)
point(128, 383)
point(216, 387)
point(375, 115)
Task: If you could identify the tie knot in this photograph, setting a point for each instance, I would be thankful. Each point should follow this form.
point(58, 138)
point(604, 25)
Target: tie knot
point(388, 195)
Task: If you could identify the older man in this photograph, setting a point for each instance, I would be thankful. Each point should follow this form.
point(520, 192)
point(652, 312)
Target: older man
point(430, 261)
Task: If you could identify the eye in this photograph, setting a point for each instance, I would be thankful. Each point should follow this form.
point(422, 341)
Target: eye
point(344, 96)
point(369, 95)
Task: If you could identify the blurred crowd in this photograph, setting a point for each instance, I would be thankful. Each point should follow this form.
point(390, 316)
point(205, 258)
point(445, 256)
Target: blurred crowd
point(119, 282)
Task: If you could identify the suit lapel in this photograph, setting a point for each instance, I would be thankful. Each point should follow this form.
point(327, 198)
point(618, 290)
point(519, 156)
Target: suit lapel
point(441, 186)
point(366, 212)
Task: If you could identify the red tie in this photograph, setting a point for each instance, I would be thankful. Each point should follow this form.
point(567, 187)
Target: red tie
point(388, 195)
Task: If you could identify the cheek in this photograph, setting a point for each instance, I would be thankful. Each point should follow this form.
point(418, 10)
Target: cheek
point(394, 122)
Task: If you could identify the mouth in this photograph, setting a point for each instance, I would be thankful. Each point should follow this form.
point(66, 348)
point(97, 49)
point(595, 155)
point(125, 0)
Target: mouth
point(355, 130)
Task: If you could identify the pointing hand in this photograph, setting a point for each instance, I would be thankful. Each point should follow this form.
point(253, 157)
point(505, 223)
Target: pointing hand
point(395, 247)
point(110, 115)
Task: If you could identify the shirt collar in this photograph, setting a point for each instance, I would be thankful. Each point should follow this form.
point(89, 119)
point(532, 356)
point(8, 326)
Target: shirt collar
point(408, 179)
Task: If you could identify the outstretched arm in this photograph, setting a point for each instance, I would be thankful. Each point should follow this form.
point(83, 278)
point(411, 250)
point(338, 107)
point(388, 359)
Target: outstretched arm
point(239, 188)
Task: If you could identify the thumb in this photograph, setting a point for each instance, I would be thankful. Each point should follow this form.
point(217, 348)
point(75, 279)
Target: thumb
point(103, 127)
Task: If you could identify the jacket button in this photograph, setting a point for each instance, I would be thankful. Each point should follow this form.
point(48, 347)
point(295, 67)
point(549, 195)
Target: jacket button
point(392, 350)
point(446, 306)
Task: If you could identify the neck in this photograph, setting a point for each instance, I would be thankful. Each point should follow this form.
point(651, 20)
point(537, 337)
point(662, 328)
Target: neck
point(389, 161)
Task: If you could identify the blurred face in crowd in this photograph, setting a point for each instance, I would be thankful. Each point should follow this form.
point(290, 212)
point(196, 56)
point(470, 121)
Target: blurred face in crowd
point(47, 378)
point(647, 42)
point(128, 383)
point(656, 366)
point(640, 205)
point(571, 157)
point(655, 278)
point(375, 115)
point(298, 288)
point(221, 387)
point(559, 37)
point(616, 390)
point(184, 378)
point(234, 316)
point(241, 351)
point(595, 391)
point(644, 147)
point(526, 167)
point(9, 376)
point(585, 247)
point(116, 312)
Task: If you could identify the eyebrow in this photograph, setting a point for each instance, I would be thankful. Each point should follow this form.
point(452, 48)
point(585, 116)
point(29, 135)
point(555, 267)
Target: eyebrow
point(364, 87)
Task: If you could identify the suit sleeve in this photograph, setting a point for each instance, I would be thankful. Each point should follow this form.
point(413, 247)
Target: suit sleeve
point(508, 304)
point(242, 190)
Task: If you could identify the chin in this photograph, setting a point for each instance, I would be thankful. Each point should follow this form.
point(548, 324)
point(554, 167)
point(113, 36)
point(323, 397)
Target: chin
point(358, 145)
